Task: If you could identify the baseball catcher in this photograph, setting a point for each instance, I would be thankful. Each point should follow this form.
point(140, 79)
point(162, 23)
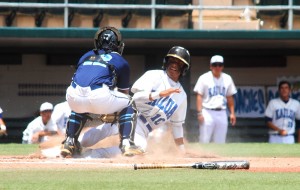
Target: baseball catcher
point(98, 73)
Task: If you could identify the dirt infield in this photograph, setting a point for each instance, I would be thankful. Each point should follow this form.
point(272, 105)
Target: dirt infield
point(163, 152)
point(256, 164)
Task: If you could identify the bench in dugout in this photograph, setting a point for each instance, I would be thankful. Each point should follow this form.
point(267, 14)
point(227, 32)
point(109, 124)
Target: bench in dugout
point(15, 128)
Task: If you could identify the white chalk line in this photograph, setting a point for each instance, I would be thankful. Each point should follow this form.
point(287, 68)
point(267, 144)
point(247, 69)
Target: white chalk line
point(66, 162)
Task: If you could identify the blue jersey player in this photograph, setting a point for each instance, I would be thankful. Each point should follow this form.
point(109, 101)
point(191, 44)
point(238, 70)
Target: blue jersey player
point(98, 73)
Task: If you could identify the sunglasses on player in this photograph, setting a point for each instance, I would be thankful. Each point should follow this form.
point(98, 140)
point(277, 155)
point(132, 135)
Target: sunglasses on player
point(217, 65)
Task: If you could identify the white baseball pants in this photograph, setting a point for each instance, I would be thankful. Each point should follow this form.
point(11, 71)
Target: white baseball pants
point(289, 139)
point(214, 128)
point(98, 101)
point(94, 135)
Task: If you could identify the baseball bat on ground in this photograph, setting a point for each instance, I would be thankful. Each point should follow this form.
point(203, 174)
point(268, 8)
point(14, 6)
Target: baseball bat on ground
point(221, 165)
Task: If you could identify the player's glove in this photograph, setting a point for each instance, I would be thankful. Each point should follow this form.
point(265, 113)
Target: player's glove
point(109, 118)
point(3, 130)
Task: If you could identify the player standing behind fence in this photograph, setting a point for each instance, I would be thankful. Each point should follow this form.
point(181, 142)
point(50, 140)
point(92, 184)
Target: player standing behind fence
point(215, 91)
point(281, 114)
point(98, 73)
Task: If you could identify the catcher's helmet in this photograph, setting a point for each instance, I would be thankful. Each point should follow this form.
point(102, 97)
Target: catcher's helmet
point(109, 39)
point(180, 53)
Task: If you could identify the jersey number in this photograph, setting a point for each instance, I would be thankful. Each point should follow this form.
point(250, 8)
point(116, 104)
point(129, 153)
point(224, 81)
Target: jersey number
point(156, 119)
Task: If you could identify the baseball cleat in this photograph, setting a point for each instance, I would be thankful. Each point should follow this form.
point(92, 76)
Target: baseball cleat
point(70, 148)
point(132, 150)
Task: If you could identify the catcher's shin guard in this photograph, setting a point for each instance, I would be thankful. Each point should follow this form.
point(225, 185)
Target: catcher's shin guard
point(71, 145)
point(127, 124)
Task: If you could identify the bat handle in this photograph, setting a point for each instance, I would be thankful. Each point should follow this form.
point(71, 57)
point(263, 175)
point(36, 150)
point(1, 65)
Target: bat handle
point(148, 166)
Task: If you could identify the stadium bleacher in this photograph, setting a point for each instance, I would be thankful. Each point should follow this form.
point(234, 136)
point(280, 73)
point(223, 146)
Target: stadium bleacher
point(7, 15)
point(273, 19)
point(296, 20)
point(141, 18)
point(225, 19)
point(85, 17)
point(175, 18)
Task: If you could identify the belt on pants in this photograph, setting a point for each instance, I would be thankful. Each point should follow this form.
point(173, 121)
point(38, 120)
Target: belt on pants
point(144, 120)
point(214, 109)
point(282, 135)
point(93, 86)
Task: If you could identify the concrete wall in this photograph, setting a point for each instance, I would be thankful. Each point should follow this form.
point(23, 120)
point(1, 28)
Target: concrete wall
point(34, 70)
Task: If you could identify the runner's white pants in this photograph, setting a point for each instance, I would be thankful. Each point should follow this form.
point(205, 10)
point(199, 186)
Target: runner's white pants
point(94, 135)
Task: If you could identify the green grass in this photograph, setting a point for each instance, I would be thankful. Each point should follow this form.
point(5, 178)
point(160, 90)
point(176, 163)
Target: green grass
point(249, 149)
point(182, 179)
point(17, 149)
point(230, 149)
point(145, 179)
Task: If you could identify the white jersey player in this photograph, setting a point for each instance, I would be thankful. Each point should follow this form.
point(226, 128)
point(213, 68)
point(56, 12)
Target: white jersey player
point(60, 116)
point(41, 127)
point(215, 91)
point(281, 114)
point(160, 100)
point(2, 125)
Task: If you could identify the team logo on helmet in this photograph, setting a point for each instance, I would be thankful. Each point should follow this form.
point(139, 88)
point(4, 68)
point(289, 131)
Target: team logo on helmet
point(109, 39)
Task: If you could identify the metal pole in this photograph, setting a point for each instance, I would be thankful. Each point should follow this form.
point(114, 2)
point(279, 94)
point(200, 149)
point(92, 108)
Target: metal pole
point(66, 14)
point(153, 14)
point(290, 18)
point(200, 27)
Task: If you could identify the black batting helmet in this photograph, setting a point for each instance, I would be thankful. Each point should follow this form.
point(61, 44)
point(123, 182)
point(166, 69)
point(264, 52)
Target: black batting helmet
point(109, 39)
point(180, 53)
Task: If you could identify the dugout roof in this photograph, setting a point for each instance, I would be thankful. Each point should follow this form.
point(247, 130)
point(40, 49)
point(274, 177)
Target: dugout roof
point(139, 41)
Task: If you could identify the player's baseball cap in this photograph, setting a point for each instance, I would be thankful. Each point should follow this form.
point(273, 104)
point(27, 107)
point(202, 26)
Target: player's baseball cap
point(46, 106)
point(217, 59)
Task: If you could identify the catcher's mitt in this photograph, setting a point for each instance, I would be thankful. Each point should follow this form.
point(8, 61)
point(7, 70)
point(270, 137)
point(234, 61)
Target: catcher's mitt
point(109, 118)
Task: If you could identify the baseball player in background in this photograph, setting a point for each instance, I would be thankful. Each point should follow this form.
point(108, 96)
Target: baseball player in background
point(281, 115)
point(92, 90)
point(60, 116)
point(160, 100)
point(215, 90)
point(2, 125)
point(41, 127)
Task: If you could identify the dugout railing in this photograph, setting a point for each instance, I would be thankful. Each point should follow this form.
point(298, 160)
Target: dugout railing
point(291, 7)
